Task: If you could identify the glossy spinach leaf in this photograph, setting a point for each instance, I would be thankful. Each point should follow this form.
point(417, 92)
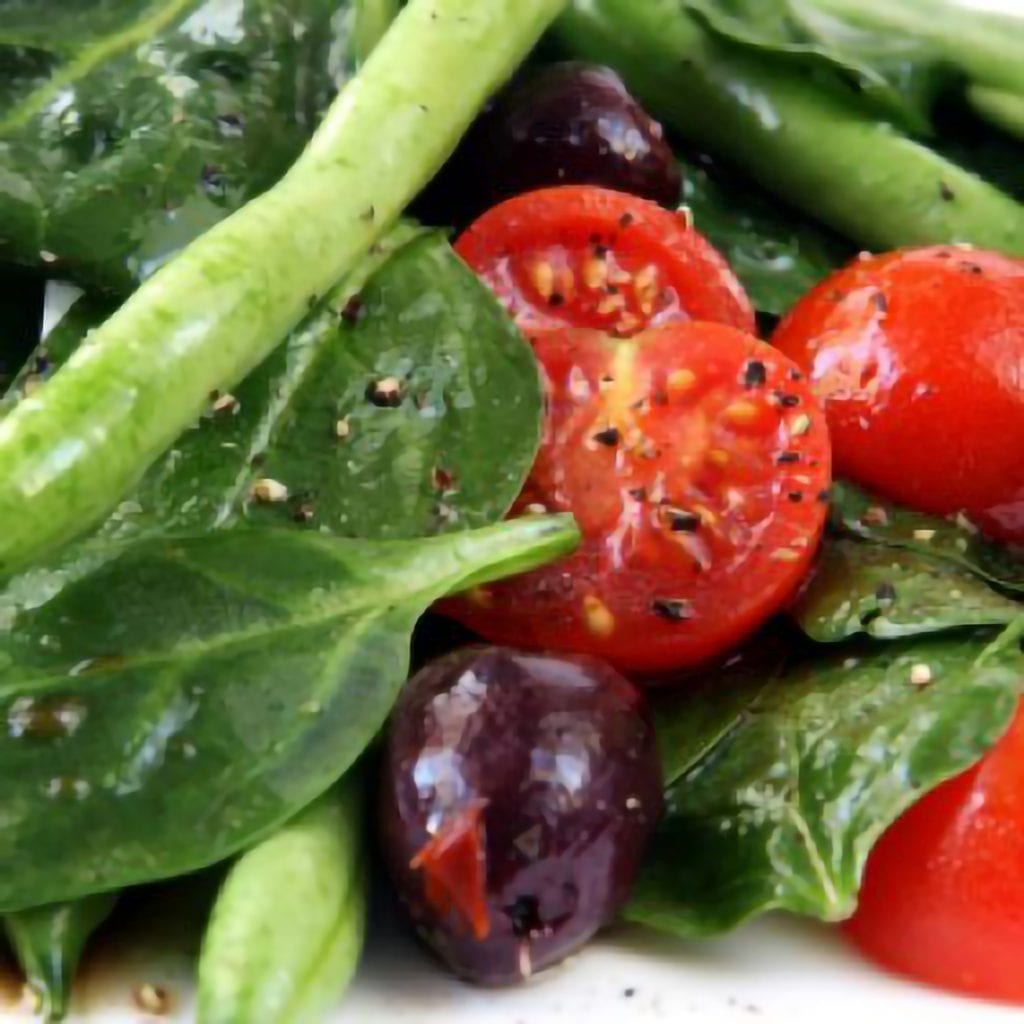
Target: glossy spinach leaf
point(48, 943)
point(413, 464)
point(857, 513)
point(778, 253)
point(188, 696)
point(128, 128)
point(783, 810)
point(894, 592)
point(899, 74)
point(694, 713)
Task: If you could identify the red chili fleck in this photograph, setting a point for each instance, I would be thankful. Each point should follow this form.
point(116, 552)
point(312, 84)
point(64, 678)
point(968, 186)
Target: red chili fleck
point(455, 871)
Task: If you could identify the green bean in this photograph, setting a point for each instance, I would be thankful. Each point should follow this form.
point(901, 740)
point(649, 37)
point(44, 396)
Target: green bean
point(814, 148)
point(287, 928)
point(69, 453)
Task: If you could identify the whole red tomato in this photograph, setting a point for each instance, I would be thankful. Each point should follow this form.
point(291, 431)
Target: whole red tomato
point(919, 358)
point(943, 896)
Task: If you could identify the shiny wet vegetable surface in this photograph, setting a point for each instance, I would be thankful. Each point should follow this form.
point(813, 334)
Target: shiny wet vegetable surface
point(517, 797)
point(918, 356)
point(697, 464)
point(564, 124)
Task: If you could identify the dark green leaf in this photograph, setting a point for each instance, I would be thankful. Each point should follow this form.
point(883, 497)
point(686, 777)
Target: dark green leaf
point(127, 129)
point(776, 252)
point(466, 376)
point(49, 942)
point(188, 696)
point(955, 541)
point(696, 712)
point(894, 592)
point(901, 75)
point(783, 810)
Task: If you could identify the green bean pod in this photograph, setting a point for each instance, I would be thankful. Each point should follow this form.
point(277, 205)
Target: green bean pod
point(48, 943)
point(70, 452)
point(287, 928)
point(813, 147)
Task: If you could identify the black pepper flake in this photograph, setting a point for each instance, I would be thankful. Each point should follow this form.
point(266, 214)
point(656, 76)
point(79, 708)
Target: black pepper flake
point(595, 239)
point(353, 311)
point(795, 375)
point(385, 394)
point(303, 512)
point(524, 914)
point(971, 268)
point(609, 437)
point(754, 374)
point(682, 520)
point(944, 254)
point(869, 616)
point(787, 401)
point(213, 180)
point(795, 496)
point(886, 592)
point(557, 299)
point(443, 479)
point(369, 214)
point(673, 609)
point(881, 302)
point(626, 219)
point(601, 251)
point(946, 191)
point(628, 993)
point(788, 457)
point(638, 493)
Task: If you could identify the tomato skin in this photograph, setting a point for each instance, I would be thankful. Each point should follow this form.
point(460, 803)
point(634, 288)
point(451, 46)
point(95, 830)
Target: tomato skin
point(584, 256)
point(919, 358)
point(943, 896)
point(696, 463)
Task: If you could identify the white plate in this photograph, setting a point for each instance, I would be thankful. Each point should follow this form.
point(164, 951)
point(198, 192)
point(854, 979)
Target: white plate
point(776, 971)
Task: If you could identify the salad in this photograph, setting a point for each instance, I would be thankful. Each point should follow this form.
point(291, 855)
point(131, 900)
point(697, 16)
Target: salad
point(557, 462)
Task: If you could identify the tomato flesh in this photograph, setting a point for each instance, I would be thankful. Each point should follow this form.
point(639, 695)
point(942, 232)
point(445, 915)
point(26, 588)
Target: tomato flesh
point(696, 463)
point(918, 356)
point(943, 895)
point(584, 256)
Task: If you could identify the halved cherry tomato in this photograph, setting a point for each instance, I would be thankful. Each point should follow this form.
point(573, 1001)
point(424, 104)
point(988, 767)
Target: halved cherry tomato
point(943, 896)
point(583, 256)
point(696, 462)
point(919, 358)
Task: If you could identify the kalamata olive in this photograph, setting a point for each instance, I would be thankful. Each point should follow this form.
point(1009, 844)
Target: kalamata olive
point(564, 124)
point(518, 794)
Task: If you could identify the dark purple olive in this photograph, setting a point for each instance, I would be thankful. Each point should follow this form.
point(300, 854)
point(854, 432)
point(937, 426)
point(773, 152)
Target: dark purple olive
point(565, 124)
point(519, 792)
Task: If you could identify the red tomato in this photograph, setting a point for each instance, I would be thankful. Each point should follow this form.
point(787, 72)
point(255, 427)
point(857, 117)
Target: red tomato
point(696, 462)
point(919, 357)
point(943, 896)
point(583, 256)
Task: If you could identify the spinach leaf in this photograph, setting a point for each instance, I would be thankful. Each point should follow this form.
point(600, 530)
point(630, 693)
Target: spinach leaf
point(48, 943)
point(696, 712)
point(893, 592)
point(857, 513)
point(901, 75)
point(127, 129)
point(464, 373)
point(778, 253)
point(783, 810)
point(188, 696)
